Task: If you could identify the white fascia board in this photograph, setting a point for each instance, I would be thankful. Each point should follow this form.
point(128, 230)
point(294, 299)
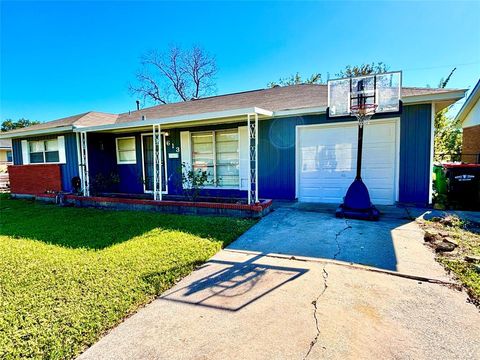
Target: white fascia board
point(179, 119)
point(468, 104)
point(428, 98)
point(28, 133)
point(303, 111)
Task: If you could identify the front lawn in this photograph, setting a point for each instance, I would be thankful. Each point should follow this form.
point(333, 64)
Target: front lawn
point(67, 274)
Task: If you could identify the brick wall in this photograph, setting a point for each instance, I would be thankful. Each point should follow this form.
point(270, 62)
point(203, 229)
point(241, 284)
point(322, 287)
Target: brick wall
point(34, 179)
point(471, 144)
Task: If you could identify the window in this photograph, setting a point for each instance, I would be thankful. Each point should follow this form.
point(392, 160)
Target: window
point(43, 151)
point(216, 152)
point(9, 156)
point(126, 153)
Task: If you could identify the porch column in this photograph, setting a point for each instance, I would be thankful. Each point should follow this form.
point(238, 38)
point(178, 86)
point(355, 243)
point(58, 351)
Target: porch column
point(157, 163)
point(84, 164)
point(253, 158)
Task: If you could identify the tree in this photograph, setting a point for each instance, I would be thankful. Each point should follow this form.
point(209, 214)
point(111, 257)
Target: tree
point(364, 69)
point(175, 75)
point(447, 132)
point(296, 79)
point(348, 71)
point(9, 124)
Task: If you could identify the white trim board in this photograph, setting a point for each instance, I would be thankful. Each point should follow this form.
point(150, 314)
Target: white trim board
point(432, 154)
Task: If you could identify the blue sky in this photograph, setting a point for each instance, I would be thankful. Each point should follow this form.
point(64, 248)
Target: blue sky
point(63, 58)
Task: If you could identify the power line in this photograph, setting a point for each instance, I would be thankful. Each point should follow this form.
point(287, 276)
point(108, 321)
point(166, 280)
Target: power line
point(442, 66)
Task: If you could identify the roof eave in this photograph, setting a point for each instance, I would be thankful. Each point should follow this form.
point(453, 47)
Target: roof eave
point(35, 132)
point(468, 104)
point(178, 119)
point(453, 96)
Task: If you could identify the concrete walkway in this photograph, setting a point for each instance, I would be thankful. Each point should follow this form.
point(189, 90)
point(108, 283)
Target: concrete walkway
point(247, 303)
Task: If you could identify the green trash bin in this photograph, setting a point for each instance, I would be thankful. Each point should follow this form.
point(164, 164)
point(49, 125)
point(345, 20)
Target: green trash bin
point(440, 179)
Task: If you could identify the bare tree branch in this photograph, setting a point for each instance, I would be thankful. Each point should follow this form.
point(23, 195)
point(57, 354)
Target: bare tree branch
point(186, 74)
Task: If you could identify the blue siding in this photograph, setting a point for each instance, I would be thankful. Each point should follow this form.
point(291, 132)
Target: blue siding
point(415, 142)
point(17, 152)
point(68, 170)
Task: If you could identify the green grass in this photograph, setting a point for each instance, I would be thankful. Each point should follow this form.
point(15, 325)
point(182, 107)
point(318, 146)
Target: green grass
point(67, 275)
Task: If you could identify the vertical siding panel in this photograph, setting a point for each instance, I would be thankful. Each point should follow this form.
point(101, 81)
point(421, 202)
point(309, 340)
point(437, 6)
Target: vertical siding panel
point(17, 151)
point(70, 168)
point(415, 130)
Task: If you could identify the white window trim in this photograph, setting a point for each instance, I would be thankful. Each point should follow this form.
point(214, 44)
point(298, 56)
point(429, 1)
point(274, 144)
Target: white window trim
point(216, 187)
point(119, 162)
point(59, 162)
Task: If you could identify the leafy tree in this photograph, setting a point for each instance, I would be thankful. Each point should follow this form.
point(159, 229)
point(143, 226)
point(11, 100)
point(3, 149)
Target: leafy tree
point(175, 75)
point(364, 69)
point(447, 132)
point(9, 124)
point(348, 71)
point(448, 137)
point(296, 79)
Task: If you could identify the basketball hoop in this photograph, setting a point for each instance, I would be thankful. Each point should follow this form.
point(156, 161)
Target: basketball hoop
point(363, 112)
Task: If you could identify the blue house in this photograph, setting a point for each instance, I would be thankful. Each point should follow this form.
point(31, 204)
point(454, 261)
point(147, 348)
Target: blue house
point(272, 143)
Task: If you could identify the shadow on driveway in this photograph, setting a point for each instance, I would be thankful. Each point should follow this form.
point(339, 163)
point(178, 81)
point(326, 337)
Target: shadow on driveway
point(310, 233)
point(231, 285)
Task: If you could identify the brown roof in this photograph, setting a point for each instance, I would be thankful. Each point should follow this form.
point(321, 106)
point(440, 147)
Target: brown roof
point(272, 99)
point(90, 118)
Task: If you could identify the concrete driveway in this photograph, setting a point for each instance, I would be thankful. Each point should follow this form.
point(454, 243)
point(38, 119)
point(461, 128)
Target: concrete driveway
point(289, 288)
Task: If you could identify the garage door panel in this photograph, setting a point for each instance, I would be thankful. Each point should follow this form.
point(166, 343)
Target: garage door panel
point(328, 156)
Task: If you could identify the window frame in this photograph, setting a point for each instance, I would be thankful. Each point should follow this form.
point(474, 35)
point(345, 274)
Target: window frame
point(117, 151)
point(44, 151)
point(214, 156)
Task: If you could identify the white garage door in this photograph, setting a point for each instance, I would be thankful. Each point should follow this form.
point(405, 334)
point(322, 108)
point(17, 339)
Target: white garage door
point(327, 156)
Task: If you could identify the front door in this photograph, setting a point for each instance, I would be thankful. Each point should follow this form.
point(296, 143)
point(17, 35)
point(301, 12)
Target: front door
point(147, 145)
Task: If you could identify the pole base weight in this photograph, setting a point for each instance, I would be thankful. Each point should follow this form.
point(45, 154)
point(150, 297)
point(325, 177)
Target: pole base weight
point(371, 214)
point(357, 203)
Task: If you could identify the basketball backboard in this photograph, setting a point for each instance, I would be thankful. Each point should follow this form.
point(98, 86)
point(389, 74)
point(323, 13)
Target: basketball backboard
point(379, 90)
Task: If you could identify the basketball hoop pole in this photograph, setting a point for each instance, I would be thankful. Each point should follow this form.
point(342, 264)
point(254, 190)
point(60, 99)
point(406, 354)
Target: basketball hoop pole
point(359, 151)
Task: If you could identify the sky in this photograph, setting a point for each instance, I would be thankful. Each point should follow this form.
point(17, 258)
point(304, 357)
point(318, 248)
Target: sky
point(63, 58)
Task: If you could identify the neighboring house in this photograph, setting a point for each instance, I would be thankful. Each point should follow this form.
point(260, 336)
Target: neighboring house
point(6, 159)
point(469, 118)
point(301, 153)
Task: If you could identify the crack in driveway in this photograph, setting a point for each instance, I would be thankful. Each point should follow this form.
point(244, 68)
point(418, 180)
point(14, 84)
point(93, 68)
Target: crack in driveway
point(325, 286)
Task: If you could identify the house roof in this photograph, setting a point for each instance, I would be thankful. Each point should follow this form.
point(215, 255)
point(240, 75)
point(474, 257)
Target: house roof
point(273, 99)
point(277, 99)
point(469, 103)
point(90, 118)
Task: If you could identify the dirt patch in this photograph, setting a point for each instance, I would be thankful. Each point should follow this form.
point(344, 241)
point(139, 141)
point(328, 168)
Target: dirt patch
point(457, 246)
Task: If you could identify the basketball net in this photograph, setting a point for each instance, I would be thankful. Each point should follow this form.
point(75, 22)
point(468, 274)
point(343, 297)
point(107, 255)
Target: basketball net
point(363, 113)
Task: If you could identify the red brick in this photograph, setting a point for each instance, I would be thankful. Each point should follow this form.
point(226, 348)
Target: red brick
point(254, 207)
point(35, 179)
point(471, 144)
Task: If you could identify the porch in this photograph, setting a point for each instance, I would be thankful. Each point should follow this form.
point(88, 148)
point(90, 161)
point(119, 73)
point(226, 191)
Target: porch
point(159, 160)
